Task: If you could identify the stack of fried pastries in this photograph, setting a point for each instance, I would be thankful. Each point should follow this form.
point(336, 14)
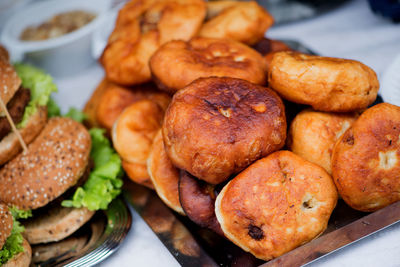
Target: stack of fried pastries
point(199, 109)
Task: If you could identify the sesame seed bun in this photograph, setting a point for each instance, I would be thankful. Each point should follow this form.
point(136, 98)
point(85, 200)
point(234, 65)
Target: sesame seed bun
point(55, 161)
point(22, 259)
point(58, 223)
point(10, 145)
point(6, 223)
point(9, 80)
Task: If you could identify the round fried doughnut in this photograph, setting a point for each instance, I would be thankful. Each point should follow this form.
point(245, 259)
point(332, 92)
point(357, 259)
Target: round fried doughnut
point(366, 160)
point(164, 175)
point(313, 134)
point(116, 98)
point(178, 63)
point(215, 127)
point(135, 129)
point(244, 22)
point(137, 173)
point(275, 205)
point(327, 84)
point(141, 27)
point(198, 201)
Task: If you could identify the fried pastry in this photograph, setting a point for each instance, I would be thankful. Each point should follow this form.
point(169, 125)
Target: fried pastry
point(313, 134)
point(198, 201)
point(138, 173)
point(275, 205)
point(164, 175)
point(141, 27)
point(366, 159)
point(327, 84)
point(116, 98)
point(178, 63)
point(244, 22)
point(215, 127)
point(134, 131)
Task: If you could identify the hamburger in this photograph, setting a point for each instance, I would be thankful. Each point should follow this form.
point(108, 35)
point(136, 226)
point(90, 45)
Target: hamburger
point(66, 175)
point(14, 249)
point(25, 90)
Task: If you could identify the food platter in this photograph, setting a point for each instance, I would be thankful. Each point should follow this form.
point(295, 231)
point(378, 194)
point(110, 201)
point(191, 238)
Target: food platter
point(193, 245)
point(94, 242)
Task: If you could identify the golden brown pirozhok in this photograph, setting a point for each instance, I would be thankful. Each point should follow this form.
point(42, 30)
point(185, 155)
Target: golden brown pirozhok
point(313, 134)
point(366, 160)
point(277, 204)
point(215, 127)
point(244, 22)
point(178, 63)
point(327, 84)
point(141, 27)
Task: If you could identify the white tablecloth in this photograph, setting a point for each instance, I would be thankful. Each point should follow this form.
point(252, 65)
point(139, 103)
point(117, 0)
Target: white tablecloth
point(351, 31)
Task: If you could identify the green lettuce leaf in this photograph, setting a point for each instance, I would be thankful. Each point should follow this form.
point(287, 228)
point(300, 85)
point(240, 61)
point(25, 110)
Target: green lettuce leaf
point(104, 182)
point(13, 244)
point(20, 214)
point(41, 86)
point(76, 115)
point(53, 110)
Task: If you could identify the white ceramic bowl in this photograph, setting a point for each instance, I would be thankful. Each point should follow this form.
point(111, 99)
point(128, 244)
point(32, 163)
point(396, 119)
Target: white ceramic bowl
point(65, 55)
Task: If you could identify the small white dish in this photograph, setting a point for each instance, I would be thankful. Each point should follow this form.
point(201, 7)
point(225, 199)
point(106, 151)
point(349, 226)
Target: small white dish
point(61, 56)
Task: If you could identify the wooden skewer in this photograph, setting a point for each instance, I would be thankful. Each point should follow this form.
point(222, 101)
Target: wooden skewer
point(4, 107)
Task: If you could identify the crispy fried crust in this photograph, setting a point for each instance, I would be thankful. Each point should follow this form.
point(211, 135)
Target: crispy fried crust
point(198, 201)
point(327, 84)
point(141, 27)
point(55, 161)
point(164, 175)
point(275, 205)
point(134, 131)
point(313, 134)
point(244, 22)
point(92, 104)
point(58, 223)
point(23, 259)
point(6, 224)
point(10, 145)
point(138, 173)
point(218, 126)
point(366, 159)
point(9, 80)
point(178, 63)
point(117, 98)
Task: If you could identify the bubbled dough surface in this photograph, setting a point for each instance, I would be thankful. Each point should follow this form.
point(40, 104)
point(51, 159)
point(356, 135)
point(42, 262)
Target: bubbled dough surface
point(245, 22)
point(366, 160)
point(327, 84)
point(313, 134)
point(178, 63)
point(276, 204)
point(218, 126)
point(141, 27)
